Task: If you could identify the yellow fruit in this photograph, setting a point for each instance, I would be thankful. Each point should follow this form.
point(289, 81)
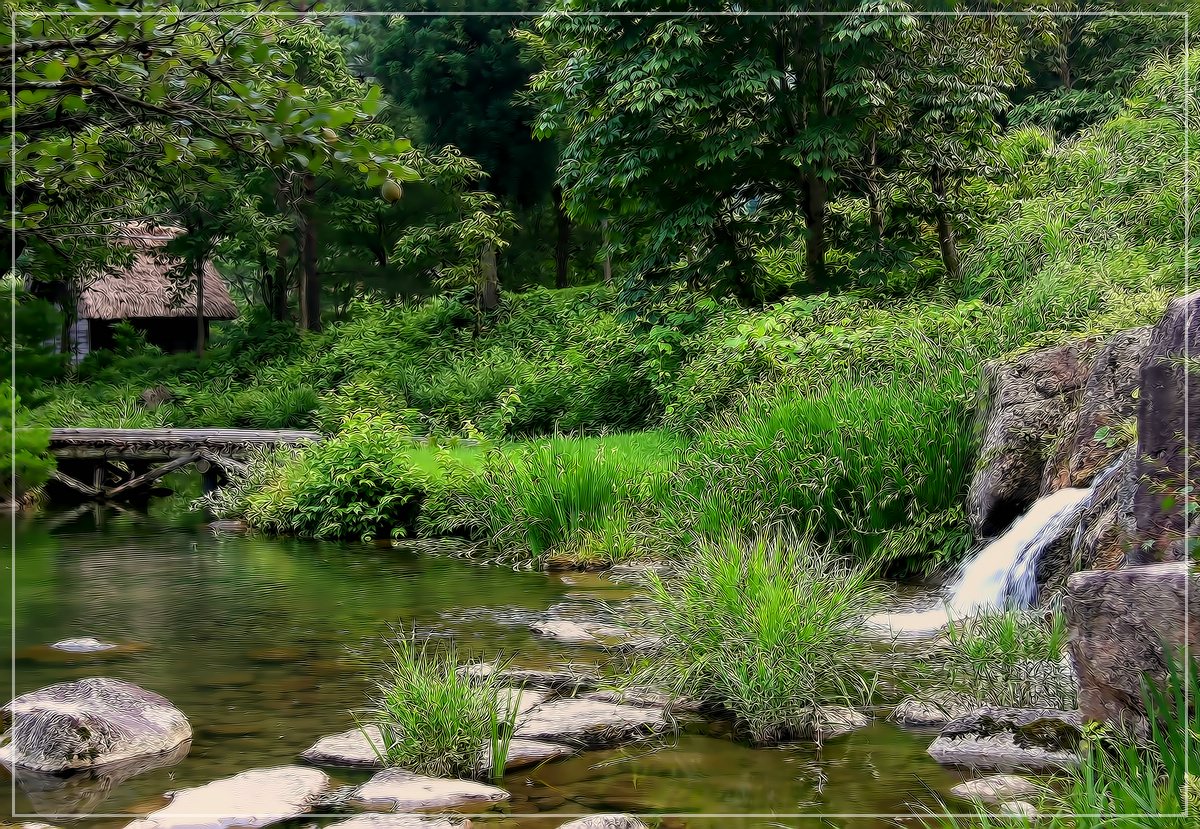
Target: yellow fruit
point(390, 190)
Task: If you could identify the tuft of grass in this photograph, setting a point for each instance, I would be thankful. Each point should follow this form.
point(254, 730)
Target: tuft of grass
point(768, 630)
point(435, 718)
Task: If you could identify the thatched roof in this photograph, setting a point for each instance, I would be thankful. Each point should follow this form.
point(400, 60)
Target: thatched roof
point(146, 288)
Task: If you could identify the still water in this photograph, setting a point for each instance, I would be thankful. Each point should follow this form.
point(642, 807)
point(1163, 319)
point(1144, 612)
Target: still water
point(259, 642)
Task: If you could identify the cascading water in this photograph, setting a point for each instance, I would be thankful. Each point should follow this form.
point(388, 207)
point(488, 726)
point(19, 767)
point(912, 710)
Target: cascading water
point(1003, 573)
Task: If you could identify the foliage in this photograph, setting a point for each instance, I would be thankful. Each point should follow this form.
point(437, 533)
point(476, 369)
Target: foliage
point(770, 630)
point(36, 362)
point(436, 718)
point(27, 463)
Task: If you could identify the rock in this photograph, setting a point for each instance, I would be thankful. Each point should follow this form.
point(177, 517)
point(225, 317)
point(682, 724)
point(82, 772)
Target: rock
point(561, 630)
point(1109, 399)
point(590, 723)
point(373, 821)
point(561, 681)
point(1018, 808)
point(88, 723)
point(519, 700)
point(646, 698)
point(84, 644)
point(1105, 533)
point(259, 797)
point(836, 720)
point(1118, 623)
point(934, 711)
point(351, 748)
point(524, 753)
point(1159, 507)
point(1010, 739)
point(154, 397)
point(1026, 400)
point(997, 788)
point(233, 525)
point(605, 822)
point(397, 790)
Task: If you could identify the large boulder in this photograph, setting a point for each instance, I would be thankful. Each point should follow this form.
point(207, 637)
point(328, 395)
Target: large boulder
point(1119, 623)
point(1105, 532)
point(88, 723)
point(256, 798)
point(1109, 399)
point(1027, 402)
point(1163, 415)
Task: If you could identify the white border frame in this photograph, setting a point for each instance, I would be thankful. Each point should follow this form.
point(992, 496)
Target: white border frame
point(932, 818)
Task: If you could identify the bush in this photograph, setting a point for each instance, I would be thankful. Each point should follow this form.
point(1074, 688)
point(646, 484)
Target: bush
point(434, 717)
point(30, 465)
point(768, 630)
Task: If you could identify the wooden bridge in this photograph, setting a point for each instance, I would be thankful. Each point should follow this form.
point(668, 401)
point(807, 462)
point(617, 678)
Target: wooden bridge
point(116, 464)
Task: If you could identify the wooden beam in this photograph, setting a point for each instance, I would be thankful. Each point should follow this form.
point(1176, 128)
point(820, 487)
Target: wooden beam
point(77, 485)
point(151, 476)
point(226, 464)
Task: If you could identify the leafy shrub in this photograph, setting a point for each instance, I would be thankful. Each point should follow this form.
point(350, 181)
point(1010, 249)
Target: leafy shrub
point(27, 463)
point(435, 718)
point(768, 630)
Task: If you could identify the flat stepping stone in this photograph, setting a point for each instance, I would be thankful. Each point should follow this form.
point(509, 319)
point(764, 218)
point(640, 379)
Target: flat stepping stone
point(999, 752)
point(563, 681)
point(591, 723)
point(397, 790)
point(646, 699)
point(522, 699)
point(565, 631)
point(258, 798)
point(376, 821)
point(605, 822)
point(352, 749)
point(997, 789)
point(83, 644)
point(523, 753)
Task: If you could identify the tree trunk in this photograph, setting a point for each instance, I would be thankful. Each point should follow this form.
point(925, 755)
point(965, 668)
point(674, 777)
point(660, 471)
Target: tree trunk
point(310, 279)
point(201, 330)
point(814, 219)
point(278, 299)
point(946, 240)
point(874, 195)
point(488, 292)
point(562, 240)
point(607, 257)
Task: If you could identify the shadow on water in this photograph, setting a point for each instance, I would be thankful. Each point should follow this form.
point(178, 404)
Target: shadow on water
point(254, 639)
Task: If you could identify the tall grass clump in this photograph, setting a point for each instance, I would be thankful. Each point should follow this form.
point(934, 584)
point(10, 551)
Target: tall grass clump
point(434, 717)
point(768, 630)
point(1011, 659)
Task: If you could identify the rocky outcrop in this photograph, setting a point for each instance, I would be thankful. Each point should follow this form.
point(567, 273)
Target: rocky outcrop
point(89, 723)
point(1010, 739)
point(260, 797)
point(1163, 410)
point(1027, 401)
point(1119, 623)
point(396, 790)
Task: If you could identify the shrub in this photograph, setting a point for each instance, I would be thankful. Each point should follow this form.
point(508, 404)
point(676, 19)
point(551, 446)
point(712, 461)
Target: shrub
point(27, 463)
point(768, 630)
point(435, 718)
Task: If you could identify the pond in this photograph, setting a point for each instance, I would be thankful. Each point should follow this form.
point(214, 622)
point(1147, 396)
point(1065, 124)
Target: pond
point(259, 642)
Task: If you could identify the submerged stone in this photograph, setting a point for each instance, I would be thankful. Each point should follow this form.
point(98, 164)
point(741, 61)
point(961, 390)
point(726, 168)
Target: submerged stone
point(90, 722)
point(997, 789)
point(83, 644)
point(591, 723)
point(259, 797)
point(397, 790)
point(565, 631)
point(836, 720)
point(355, 748)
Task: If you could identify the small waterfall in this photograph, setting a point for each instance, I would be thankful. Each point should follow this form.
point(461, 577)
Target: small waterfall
point(1003, 573)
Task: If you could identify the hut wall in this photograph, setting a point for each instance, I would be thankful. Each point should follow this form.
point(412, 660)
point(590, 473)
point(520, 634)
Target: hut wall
point(171, 334)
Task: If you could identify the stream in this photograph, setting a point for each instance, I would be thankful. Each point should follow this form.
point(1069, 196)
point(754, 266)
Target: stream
point(261, 643)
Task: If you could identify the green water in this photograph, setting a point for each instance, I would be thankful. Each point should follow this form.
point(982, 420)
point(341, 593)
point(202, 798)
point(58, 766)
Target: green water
point(254, 638)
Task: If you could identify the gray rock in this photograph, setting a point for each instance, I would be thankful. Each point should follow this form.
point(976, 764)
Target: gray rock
point(397, 790)
point(1163, 409)
point(937, 710)
point(998, 753)
point(997, 789)
point(1025, 400)
point(1118, 624)
point(520, 700)
point(605, 822)
point(1010, 739)
point(88, 723)
point(561, 681)
point(523, 753)
point(562, 630)
point(83, 644)
point(836, 720)
point(1018, 808)
point(645, 698)
point(353, 748)
point(591, 723)
point(259, 797)
point(374, 821)
point(1105, 533)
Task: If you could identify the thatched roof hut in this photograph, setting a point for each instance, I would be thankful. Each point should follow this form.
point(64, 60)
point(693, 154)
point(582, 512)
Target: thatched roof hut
point(146, 294)
point(146, 290)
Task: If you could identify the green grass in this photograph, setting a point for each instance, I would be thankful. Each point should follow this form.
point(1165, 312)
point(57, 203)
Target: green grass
point(767, 630)
point(433, 717)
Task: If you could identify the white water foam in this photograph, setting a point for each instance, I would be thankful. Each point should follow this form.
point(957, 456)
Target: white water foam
point(1003, 573)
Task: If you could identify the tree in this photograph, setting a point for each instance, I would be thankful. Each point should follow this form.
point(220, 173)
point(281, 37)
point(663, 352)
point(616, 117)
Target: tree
point(764, 113)
point(463, 76)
